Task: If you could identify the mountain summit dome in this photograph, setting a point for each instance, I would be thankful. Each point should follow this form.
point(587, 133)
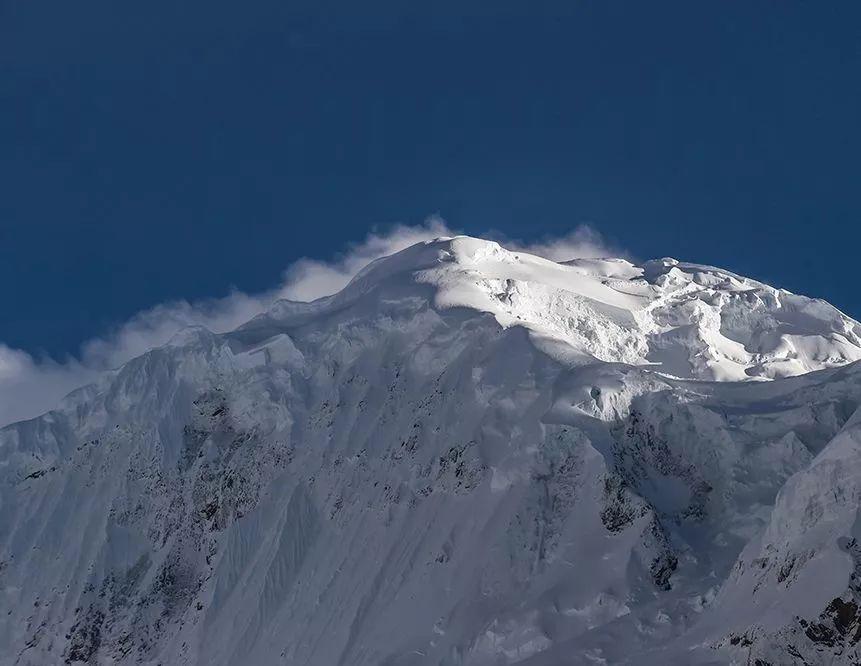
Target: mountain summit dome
point(683, 320)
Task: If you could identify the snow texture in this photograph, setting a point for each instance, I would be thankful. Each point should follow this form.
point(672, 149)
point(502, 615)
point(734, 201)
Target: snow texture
point(468, 456)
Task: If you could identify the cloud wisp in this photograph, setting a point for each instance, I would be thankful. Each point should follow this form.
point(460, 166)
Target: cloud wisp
point(30, 386)
point(584, 242)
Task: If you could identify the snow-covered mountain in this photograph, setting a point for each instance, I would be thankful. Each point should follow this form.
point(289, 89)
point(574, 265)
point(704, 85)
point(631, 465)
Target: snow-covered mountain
point(467, 456)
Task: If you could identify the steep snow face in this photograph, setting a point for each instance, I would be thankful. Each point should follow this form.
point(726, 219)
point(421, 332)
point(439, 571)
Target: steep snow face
point(468, 456)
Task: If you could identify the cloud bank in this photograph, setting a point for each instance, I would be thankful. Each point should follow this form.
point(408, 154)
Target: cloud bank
point(30, 386)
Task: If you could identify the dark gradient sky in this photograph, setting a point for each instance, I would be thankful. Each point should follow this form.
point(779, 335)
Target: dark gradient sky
point(166, 149)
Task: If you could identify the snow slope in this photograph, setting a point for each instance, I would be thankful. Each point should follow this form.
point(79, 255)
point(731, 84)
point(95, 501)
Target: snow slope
point(467, 456)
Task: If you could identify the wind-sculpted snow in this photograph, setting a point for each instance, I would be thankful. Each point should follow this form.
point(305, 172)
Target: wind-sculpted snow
point(467, 456)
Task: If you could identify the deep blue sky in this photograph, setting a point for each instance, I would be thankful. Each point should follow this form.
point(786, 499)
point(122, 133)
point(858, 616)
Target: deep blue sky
point(166, 149)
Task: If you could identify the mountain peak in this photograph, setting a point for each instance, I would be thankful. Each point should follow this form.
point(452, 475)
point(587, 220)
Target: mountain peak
point(470, 455)
point(680, 319)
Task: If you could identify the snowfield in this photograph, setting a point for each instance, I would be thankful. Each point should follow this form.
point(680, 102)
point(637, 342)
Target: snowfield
point(469, 456)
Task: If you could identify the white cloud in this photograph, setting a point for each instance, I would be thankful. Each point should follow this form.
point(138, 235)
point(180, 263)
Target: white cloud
point(30, 386)
point(308, 279)
point(156, 326)
point(582, 242)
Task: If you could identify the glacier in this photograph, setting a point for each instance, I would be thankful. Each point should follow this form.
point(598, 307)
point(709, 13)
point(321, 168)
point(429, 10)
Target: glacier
point(468, 456)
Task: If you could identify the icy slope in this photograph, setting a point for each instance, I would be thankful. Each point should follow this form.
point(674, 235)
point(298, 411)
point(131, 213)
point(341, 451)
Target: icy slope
point(467, 456)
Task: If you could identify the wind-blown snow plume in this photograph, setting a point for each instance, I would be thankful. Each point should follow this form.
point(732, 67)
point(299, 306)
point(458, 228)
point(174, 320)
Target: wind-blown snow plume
point(584, 242)
point(30, 385)
point(309, 279)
